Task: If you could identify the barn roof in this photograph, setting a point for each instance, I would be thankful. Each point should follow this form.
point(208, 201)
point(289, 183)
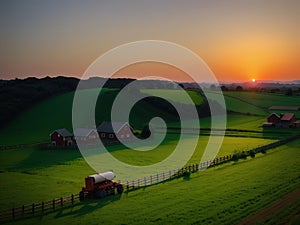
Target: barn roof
point(108, 126)
point(274, 114)
point(63, 132)
point(287, 116)
point(83, 132)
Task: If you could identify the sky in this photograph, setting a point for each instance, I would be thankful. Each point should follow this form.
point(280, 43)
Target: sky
point(239, 40)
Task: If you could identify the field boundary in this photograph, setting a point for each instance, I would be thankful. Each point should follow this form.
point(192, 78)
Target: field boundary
point(185, 171)
point(7, 147)
point(39, 208)
point(272, 208)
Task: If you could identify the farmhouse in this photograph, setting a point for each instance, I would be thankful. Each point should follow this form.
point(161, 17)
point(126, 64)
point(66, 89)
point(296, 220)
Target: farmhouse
point(61, 137)
point(86, 135)
point(123, 131)
point(274, 118)
point(285, 120)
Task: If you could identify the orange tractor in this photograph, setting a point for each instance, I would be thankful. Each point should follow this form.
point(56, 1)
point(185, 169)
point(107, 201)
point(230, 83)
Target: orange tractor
point(100, 185)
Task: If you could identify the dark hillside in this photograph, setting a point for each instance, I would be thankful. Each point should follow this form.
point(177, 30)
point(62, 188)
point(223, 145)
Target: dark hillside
point(18, 95)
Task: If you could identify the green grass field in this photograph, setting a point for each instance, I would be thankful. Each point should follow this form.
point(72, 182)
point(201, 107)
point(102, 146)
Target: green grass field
point(257, 103)
point(260, 102)
point(221, 195)
point(63, 171)
point(175, 95)
point(35, 124)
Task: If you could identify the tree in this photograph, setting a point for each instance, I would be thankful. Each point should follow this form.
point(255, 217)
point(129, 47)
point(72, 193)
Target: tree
point(239, 88)
point(289, 92)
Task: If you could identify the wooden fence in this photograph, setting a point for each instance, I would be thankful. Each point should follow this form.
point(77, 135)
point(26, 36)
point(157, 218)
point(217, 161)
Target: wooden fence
point(185, 171)
point(172, 174)
point(40, 208)
point(6, 147)
point(37, 208)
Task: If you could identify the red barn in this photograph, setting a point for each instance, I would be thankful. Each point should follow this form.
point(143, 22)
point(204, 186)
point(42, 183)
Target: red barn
point(85, 135)
point(123, 131)
point(61, 137)
point(273, 118)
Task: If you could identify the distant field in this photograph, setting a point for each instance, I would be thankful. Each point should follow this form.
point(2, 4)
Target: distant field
point(265, 100)
point(175, 95)
point(257, 103)
point(222, 195)
point(35, 124)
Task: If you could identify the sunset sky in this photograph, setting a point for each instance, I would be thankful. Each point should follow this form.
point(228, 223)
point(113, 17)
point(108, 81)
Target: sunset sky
point(239, 40)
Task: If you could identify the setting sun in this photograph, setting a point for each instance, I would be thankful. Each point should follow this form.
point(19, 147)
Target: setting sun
point(253, 80)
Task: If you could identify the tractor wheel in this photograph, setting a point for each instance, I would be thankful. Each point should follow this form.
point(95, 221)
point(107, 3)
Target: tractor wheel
point(120, 189)
point(111, 191)
point(101, 194)
point(81, 196)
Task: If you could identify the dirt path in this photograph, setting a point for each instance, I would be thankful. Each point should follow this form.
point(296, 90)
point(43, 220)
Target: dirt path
point(273, 208)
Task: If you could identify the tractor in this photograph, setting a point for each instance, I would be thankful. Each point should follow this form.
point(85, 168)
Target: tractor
point(100, 185)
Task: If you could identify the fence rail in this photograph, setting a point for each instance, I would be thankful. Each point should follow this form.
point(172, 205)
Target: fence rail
point(6, 147)
point(39, 208)
point(160, 177)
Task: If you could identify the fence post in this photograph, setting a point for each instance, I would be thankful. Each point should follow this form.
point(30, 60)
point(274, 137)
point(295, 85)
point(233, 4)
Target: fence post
point(61, 201)
point(127, 185)
point(43, 205)
point(138, 183)
point(157, 178)
point(72, 199)
point(23, 210)
point(53, 204)
point(33, 208)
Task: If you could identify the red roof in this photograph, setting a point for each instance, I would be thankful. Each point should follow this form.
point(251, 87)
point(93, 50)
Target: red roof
point(287, 116)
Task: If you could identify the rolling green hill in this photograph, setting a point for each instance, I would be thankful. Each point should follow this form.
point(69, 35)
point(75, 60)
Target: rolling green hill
point(222, 195)
point(62, 171)
point(257, 103)
point(35, 124)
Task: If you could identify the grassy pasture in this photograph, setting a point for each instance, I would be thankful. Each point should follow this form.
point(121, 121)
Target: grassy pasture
point(35, 124)
point(256, 103)
point(175, 95)
point(221, 195)
point(262, 101)
point(265, 100)
point(29, 174)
